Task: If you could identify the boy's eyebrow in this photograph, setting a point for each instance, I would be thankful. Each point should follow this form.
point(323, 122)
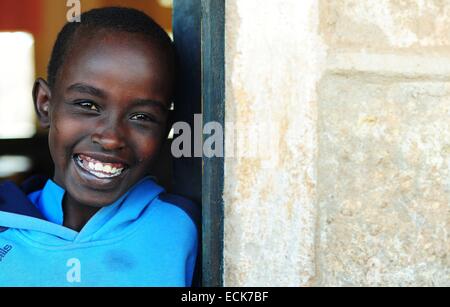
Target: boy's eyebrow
point(87, 89)
point(150, 103)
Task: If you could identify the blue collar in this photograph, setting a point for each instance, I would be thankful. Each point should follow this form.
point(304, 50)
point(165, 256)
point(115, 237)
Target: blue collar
point(45, 209)
point(49, 202)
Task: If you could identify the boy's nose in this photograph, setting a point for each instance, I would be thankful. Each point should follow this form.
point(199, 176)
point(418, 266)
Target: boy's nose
point(109, 139)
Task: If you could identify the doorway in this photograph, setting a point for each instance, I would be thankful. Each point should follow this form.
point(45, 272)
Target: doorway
point(199, 35)
point(197, 27)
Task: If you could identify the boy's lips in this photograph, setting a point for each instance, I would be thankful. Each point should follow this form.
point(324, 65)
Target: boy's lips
point(99, 168)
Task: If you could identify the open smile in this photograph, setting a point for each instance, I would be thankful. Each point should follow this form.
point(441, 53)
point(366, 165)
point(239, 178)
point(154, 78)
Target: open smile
point(100, 169)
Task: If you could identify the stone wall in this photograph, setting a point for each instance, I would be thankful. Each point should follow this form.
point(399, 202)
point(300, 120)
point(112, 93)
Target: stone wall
point(355, 96)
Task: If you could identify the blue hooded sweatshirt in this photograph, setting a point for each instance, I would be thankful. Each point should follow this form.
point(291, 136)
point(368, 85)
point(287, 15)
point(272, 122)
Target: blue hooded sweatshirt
point(145, 238)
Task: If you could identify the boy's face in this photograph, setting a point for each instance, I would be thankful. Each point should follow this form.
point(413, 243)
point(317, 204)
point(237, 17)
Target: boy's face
point(107, 114)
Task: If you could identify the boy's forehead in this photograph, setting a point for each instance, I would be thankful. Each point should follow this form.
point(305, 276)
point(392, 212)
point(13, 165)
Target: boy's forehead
point(121, 57)
point(109, 42)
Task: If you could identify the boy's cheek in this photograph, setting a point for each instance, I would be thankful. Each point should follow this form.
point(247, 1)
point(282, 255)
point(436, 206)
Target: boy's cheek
point(66, 128)
point(150, 149)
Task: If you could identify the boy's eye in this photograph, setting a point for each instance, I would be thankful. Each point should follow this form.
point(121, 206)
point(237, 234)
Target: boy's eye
point(143, 117)
point(88, 105)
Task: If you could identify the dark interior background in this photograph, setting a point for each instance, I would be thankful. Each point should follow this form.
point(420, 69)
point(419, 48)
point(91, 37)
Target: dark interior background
point(43, 19)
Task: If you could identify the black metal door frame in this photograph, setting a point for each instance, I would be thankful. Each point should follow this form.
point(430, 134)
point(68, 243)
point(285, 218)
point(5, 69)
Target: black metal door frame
point(199, 34)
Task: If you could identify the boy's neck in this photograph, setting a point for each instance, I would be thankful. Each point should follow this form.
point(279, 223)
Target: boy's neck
point(76, 215)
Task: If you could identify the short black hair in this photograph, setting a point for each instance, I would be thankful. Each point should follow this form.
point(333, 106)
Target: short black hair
point(111, 18)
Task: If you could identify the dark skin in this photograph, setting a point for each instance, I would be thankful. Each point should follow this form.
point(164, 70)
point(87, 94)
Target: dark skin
point(110, 102)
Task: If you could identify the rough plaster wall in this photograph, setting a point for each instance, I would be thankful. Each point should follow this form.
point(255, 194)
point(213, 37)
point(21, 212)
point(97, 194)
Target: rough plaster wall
point(383, 181)
point(384, 134)
point(385, 25)
point(358, 96)
point(270, 201)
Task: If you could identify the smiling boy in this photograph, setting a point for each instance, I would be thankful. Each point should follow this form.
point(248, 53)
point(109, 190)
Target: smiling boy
point(107, 104)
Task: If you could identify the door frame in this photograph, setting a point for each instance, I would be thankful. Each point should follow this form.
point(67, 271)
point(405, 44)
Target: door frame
point(213, 93)
point(199, 35)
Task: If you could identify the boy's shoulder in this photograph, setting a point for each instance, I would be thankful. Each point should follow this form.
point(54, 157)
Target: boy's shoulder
point(187, 206)
point(13, 198)
point(32, 184)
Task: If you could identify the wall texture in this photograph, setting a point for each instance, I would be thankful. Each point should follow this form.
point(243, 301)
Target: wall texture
point(354, 186)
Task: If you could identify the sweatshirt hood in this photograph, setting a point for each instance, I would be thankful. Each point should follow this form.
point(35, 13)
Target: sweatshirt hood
point(39, 213)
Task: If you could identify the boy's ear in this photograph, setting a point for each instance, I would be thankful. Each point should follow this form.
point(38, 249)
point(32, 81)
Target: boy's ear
point(170, 122)
point(41, 98)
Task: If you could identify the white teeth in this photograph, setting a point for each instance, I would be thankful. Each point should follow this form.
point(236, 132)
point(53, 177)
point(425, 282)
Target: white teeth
point(98, 167)
point(101, 170)
point(107, 168)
